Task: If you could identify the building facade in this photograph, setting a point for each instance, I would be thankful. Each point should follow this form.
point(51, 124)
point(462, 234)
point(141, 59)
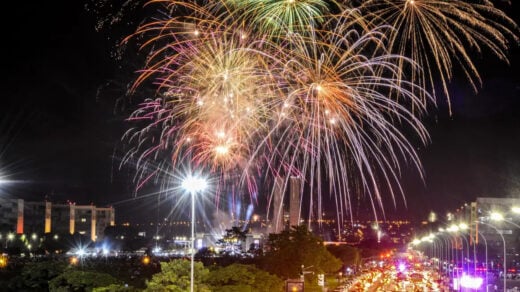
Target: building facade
point(493, 223)
point(277, 223)
point(286, 210)
point(294, 201)
point(24, 217)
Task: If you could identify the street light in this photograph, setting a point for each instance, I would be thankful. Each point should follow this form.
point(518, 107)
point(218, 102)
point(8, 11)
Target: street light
point(486, 266)
point(515, 210)
point(504, 244)
point(9, 237)
point(193, 185)
point(452, 251)
point(459, 230)
point(495, 216)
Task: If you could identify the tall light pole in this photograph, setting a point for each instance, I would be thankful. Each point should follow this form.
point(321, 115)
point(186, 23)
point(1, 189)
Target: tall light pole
point(504, 243)
point(486, 267)
point(460, 234)
point(9, 237)
point(193, 185)
point(495, 216)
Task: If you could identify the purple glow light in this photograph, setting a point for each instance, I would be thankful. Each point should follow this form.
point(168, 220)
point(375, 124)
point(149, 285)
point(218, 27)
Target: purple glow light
point(401, 267)
point(470, 282)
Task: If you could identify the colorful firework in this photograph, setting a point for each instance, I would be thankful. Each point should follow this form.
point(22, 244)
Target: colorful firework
point(338, 122)
point(278, 17)
point(216, 88)
point(252, 91)
point(438, 34)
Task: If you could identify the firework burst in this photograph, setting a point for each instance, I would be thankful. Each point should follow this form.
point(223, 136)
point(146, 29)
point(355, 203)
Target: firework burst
point(278, 17)
point(317, 104)
point(439, 34)
point(217, 89)
point(253, 90)
point(338, 122)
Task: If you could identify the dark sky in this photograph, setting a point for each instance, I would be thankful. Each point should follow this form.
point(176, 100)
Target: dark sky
point(59, 126)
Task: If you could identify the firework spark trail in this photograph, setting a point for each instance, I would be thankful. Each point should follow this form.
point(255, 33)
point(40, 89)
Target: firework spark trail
point(216, 92)
point(277, 17)
point(232, 106)
point(327, 97)
point(438, 34)
point(340, 117)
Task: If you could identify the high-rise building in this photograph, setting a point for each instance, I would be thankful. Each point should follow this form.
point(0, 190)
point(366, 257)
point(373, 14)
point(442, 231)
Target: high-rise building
point(277, 223)
point(294, 201)
point(281, 217)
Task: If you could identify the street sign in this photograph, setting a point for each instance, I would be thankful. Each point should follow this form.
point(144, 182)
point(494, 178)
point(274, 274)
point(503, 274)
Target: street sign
point(321, 280)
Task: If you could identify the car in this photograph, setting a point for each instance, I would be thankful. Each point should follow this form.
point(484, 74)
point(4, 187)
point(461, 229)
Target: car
point(401, 276)
point(416, 277)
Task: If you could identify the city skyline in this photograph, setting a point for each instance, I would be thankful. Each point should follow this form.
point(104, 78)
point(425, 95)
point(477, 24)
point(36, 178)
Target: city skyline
point(60, 137)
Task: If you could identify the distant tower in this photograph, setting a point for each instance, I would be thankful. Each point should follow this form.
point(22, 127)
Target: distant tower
point(473, 217)
point(294, 203)
point(277, 224)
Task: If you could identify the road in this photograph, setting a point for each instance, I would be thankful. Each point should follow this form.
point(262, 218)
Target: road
point(398, 273)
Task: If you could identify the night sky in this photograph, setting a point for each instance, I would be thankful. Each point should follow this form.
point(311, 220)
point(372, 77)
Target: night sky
point(61, 122)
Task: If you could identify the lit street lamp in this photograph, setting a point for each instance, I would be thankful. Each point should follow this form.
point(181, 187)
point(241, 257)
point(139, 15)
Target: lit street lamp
point(498, 217)
point(9, 237)
point(504, 245)
point(486, 266)
point(515, 210)
point(495, 216)
point(193, 185)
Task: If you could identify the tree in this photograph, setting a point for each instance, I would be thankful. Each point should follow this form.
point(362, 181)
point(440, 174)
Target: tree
point(232, 241)
point(205, 253)
point(175, 276)
point(243, 278)
point(349, 255)
point(72, 280)
point(115, 288)
point(289, 250)
point(36, 276)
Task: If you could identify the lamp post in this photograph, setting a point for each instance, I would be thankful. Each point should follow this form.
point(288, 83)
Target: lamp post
point(499, 217)
point(454, 247)
point(515, 210)
point(9, 237)
point(459, 233)
point(495, 216)
point(463, 227)
point(504, 243)
point(447, 256)
point(193, 185)
point(486, 257)
point(303, 272)
point(442, 250)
